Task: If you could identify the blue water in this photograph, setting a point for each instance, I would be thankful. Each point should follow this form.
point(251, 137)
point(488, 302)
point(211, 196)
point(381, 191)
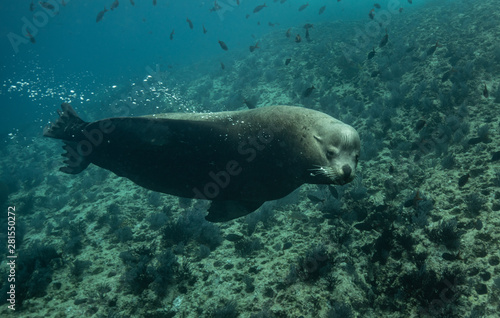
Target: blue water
point(74, 56)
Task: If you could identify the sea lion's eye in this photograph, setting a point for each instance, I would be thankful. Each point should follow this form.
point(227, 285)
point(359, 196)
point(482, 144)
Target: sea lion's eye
point(330, 153)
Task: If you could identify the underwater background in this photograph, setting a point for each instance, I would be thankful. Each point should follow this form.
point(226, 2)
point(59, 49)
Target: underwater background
point(416, 234)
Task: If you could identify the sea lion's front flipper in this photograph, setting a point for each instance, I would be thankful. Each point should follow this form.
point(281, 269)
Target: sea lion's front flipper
point(222, 211)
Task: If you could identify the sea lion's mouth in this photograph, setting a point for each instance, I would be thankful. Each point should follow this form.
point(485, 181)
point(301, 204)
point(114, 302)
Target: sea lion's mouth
point(328, 175)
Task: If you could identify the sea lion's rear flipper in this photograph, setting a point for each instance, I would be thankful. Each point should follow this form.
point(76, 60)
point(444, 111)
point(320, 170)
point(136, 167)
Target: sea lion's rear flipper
point(66, 125)
point(68, 128)
point(222, 211)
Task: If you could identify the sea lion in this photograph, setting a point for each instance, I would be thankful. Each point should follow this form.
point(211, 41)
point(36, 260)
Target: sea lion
point(236, 159)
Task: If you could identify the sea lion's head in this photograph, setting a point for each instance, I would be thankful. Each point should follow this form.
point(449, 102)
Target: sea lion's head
point(339, 147)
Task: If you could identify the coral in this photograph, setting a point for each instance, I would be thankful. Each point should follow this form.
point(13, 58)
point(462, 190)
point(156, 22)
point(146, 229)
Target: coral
point(157, 220)
point(474, 203)
point(340, 310)
point(229, 310)
point(447, 234)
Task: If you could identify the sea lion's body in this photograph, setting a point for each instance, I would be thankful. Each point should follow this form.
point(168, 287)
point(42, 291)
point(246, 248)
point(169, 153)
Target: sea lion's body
point(236, 159)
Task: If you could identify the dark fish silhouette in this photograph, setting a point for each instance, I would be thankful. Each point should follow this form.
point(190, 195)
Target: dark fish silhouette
point(463, 180)
point(32, 6)
point(376, 5)
point(132, 2)
point(302, 7)
point(447, 75)
point(249, 104)
point(216, 7)
point(322, 9)
point(258, 8)
point(100, 15)
point(204, 30)
point(223, 45)
point(371, 14)
point(32, 38)
point(172, 34)
point(308, 26)
point(371, 54)
point(253, 47)
point(46, 5)
point(384, 40)
point(288, 61)
point(222, 66)
point(308, 91)
point(190, 23)
point(298, 38)
point(307, 35)
point(114, 5)
point(432, 49)
point(485, 92)
point(288, 32)
point(154, 2)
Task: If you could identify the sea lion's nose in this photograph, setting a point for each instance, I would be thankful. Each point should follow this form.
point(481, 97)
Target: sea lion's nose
point(346, 169)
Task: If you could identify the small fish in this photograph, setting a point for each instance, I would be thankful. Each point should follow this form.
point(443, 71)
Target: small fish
point(288, 32)
point(322, 9)
point(420, 124)
point(384, 40)
point(307, 35)
point(172, 34)
point(100, 15)
point(447, 75)
point(237, 2)
point(253, 47)
point(222, 66)
point(371, 54)
point(258, 8)
point(32, 6)
point(132, 2)
point(400, 9)
point(302, 7)
point(410, 1)
point(432, 49)
point(287, 61)
point(376, 5)
point(247, 16)
point(216, 7)
point(46, 5)
point(308, 26)
point(204, 29)
point(372, 14)
point(308, 91)
point(154, 2)
point(190, 23)
point(463, 180)
point(298, 38)
point(223, 45)
point(272, 24)
point(249, 104)
point(32, 38)
point(63, 3)
point(114, 5)
point(485, 91)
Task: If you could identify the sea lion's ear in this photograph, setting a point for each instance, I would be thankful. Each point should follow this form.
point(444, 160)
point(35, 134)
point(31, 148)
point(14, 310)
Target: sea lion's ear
point(318, 138)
